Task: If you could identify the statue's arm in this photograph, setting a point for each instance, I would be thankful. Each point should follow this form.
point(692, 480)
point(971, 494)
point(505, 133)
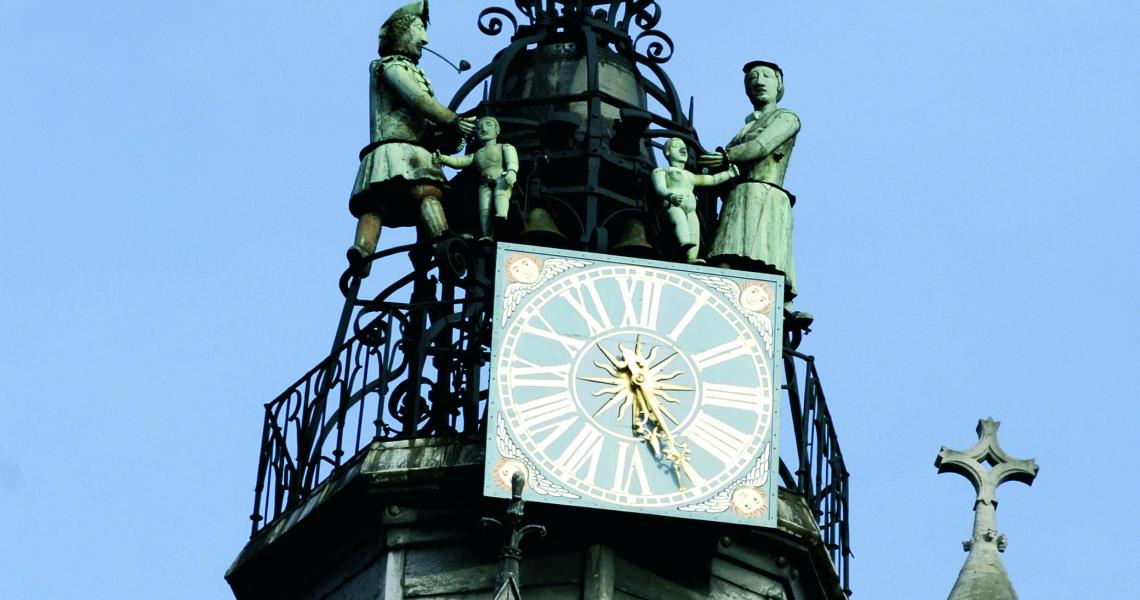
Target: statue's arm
point(659, 184)
point(782, 128)
point(455, 162)
point(700, 180)
point(510, 163)
point(374, 73)
point(404, 82)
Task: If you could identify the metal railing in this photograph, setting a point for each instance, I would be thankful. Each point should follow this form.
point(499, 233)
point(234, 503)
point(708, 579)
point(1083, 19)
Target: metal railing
point(411, 369)
point(821, 476)
point(417, 368)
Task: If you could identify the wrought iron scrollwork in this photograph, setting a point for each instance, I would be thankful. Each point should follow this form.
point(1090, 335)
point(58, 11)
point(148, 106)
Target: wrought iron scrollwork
point(528, 7)
point(659, 43)
point(820, 474)
point(458, 260)
point(412, 368)
point(490, 20)
point(646, 13)
point(409, 409)
point(620, 14)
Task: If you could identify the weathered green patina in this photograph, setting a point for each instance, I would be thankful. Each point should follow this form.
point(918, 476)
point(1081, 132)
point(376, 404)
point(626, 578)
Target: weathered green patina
point(398, 183)
point(498, 166)
point(984, 577)
point(675, 186)
point(755, 229)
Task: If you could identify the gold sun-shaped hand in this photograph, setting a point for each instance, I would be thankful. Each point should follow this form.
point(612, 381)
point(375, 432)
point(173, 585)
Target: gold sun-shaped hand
point(639, 385)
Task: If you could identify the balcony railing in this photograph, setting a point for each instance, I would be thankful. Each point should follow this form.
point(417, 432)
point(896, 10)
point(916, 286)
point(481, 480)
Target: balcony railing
point(821, 477)
point(415, 366)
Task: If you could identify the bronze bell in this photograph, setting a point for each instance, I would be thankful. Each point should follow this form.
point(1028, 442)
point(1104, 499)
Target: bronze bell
point(541, 230)
point(634, 241)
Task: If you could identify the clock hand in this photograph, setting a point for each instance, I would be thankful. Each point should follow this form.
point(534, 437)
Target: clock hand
point(613, 359)
point(675, 452)
point(636, 382)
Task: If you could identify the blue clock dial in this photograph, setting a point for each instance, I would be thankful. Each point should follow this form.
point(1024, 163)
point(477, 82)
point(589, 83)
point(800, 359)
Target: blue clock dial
point(631, 386)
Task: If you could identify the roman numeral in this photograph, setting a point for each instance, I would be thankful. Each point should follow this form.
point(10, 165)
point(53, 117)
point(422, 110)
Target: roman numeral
point(548, 434)
point(584, 451)
point(628, 468)
point(694, 308)
point(596, 320)
point(548, 417)
point(724, 352)
point(544, 329)
point(723, 441)
point(641, 310)
point(740, 397)
point(531, 374)
point(537, 412)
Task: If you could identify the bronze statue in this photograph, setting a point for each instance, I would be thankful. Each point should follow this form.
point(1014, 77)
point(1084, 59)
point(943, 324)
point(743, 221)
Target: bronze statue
point(398, 184)
point(755, 229)
point(498, 166)
point(675, 186)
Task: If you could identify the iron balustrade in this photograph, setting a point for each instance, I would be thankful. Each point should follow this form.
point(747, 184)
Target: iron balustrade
point(821, 477)
point(412, 368)
point(418, 368)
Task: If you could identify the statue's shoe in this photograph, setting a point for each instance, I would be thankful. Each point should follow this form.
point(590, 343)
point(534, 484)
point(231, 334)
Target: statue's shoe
point(358, 261)
point(801, 318)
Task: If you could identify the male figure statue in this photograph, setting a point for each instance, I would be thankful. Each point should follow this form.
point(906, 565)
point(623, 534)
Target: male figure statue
point(675, 186)
point(398, 183)
point(755, 229)
point(498, 165)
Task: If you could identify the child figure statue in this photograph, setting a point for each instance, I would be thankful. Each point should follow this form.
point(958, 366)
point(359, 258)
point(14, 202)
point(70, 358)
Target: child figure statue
point(675, 186)
point(498, 165)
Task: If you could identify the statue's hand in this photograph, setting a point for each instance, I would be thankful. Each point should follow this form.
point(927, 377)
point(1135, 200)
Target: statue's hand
point(733, 171)
point(715, 159)
point(676, 199)
point(465, 125)
point(510, 177)
point(437, 157)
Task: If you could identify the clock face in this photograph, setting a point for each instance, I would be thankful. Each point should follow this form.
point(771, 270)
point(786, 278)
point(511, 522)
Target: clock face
point(635, 385)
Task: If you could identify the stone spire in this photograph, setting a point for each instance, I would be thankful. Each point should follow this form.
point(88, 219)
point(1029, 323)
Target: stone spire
point(984, 577)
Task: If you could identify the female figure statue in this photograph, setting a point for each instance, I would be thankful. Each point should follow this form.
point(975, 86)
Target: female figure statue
point(755, 229)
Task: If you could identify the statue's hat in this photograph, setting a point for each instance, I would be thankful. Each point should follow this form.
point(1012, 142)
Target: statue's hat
point(419, 8)
point(763, 63)
point(771, 65)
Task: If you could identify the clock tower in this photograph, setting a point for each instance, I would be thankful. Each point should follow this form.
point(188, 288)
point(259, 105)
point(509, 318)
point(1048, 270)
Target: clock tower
point(574, 383)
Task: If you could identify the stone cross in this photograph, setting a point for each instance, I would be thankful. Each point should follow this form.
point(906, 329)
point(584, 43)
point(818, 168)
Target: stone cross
point(983, 575)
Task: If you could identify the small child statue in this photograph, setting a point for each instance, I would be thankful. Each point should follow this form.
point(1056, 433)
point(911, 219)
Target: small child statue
point(675, 186)
point(498, 165)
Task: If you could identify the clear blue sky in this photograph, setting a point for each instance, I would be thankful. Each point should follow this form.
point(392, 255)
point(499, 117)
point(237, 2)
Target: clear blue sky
point(173, 189)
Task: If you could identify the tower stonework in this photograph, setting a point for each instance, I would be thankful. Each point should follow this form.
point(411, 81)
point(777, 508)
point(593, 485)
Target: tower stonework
point(984, 577)
point(573, 384)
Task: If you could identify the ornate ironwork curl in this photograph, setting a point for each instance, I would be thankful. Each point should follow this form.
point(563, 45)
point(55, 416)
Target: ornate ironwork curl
point(490, 23)
point(454, 258)
point(373, 314)
point(655, 52)
point(376, 333)
point(526, 7)
point(646, 14)
point(622, 14)
point(329, 373)
point(406, 400)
